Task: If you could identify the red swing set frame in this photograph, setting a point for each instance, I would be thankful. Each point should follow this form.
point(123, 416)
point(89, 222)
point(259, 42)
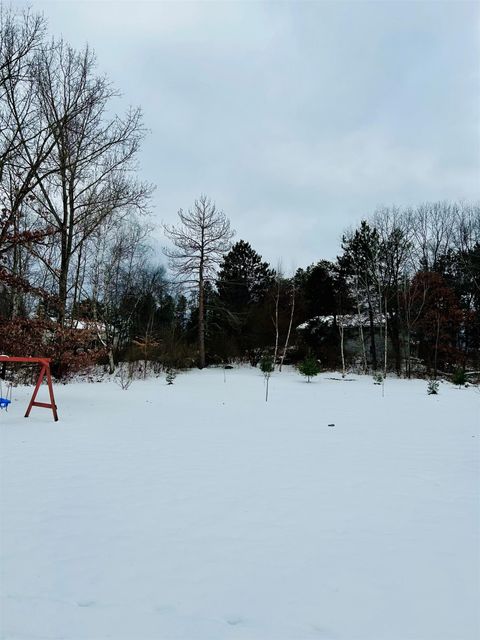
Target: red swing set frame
point(44, 372)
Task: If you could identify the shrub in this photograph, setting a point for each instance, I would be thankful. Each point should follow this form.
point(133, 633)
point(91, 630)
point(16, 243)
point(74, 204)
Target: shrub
point(70, 350)
point(378, 378)
point(266, 365)
point(459, 377)
point(125, 374)
point(309, 367)
point(432, 387)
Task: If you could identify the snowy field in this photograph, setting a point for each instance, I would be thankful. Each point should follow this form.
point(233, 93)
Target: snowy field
point(199, 512)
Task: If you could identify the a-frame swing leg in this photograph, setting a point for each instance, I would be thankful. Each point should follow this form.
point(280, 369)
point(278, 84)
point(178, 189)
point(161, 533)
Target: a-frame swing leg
point(50, 393)
point(37, 387)
point(44, 370)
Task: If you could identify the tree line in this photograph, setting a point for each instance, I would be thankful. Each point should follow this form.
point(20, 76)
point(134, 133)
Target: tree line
point(80, 282)
point(402, 295)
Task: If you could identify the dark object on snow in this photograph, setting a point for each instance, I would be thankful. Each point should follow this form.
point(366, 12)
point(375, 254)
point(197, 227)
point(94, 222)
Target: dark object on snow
point(331, 425)
point(459, 378)
point(432, 387)
point(170, 376)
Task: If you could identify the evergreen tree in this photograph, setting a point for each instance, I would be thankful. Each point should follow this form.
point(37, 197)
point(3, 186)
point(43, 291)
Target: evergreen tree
point(243, 278)
point(360, 259)
point(170, 376)
point(243, 284)
point(317, 289)
point(267, 366)
point(309, 367)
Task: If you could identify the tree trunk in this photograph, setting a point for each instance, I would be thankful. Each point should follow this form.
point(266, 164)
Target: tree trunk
point(78, 278)
point(15, 293)
point(289, 329)
point(62, 287)
point(373, 348)
point(436, 349)
point(201, 323)
point(277, 299)
point(394, 333)
point(111, 361)
point(342, 351)
point(360, 328)
point(385, 347)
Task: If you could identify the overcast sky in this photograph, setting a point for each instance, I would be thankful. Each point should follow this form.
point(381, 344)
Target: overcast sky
point(297, 118)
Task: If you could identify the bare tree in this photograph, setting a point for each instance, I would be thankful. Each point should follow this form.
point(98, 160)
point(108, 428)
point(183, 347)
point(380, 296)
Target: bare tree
point(433, 227)
point(395, 259)
point(200, 239)
point(21, 37)
point(116, 252)
point(89, 174)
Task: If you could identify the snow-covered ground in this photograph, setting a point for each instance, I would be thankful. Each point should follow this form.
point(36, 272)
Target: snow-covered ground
point(199, 512)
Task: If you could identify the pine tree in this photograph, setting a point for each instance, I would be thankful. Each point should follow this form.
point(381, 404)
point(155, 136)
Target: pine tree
point(267, 367)
point(309, 367)
point(459, 377)
point(170, 376)
point(360, 259)
point(243, 284)
point(243, 278)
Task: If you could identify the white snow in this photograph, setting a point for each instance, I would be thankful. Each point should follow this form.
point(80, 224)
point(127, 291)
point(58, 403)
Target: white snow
point(346, 321)
point(199, 512)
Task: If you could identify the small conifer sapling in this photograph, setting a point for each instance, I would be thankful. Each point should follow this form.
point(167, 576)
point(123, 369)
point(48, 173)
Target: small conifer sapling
point(266, 366)
point(459, 378)
point(170, 376)
point(309, 367)
point(432, 387)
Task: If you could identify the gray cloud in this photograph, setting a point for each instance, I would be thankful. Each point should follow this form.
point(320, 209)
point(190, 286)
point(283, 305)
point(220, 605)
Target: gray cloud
point(297, 118)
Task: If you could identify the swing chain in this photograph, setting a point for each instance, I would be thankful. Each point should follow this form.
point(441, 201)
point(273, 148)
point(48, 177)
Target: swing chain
point(5, 401)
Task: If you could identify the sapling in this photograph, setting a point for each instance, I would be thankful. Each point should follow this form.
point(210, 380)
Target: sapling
point(225, 367)
point(309, 367)
point(125, 374)
point(266, 366)
point(459, 378)
point(170, 376)
point(432, 387)
point(378, 378)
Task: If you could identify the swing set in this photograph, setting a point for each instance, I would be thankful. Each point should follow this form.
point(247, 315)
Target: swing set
point(44, 372)
point(5, 401)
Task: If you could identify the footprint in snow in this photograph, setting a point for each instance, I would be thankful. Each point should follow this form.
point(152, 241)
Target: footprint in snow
point(164, 609)
point(86, 603)
point(323, 633)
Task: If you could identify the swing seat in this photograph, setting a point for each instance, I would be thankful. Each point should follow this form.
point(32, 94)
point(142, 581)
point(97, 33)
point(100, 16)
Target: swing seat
point(4, 402)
